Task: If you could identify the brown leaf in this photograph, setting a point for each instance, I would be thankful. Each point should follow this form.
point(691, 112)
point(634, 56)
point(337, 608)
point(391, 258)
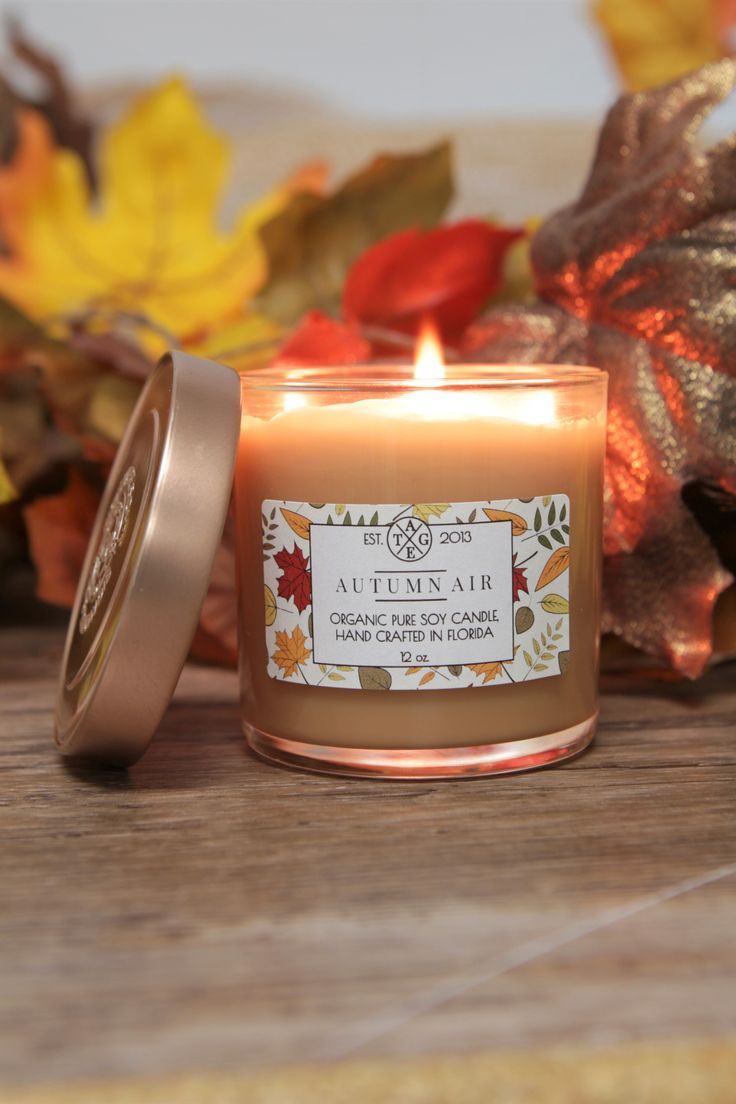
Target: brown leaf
point(67, 377)
point(374, 678)
point(71, 128)
point(33, 448)
point(313, 242)
point(523, 619)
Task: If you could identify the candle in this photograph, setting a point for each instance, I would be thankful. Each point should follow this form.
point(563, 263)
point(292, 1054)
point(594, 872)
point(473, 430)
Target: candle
point(419, 565)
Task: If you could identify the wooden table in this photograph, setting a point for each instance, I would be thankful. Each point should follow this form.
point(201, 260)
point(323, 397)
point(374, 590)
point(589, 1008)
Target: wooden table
point(206, 911)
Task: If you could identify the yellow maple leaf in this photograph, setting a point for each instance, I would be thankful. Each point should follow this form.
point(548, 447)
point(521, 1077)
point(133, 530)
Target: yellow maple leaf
point(426, 510)
point(151, 243)
point(290, 652)
point(654, 41)
point(489, 671)
point(243, 343)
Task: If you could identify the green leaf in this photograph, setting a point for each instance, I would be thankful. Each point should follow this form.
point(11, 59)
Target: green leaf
point(545, 541)
point(558, 536)
point(551, 514)
point(563, 511)
point(456, 670)
point(537, 520)
point(374, 519)
point(311, 245)
point(347, 520)
point(374, 678)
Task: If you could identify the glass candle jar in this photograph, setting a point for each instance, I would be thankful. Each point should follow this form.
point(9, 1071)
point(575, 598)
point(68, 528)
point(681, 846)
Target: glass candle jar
point(419, 567)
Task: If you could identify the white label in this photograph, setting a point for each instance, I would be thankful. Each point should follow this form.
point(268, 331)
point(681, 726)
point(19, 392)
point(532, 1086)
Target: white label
point(417, 596)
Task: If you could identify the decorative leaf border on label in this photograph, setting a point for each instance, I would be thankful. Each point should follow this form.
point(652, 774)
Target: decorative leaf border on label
point(540, 530)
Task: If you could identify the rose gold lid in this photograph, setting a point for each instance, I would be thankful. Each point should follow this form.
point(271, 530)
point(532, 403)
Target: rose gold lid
point(149, 561)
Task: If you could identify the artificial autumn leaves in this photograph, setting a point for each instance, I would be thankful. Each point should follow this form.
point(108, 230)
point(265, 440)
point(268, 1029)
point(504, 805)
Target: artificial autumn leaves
point(149, 245)
point(144, 263)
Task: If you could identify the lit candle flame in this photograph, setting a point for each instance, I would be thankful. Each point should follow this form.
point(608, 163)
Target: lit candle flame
point(293, 400)
point(429, 360)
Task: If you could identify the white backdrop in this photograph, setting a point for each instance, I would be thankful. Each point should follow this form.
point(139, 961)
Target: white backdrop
point(390, 59)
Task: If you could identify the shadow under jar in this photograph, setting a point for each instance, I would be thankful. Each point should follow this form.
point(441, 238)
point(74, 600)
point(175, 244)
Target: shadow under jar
point(419, 567)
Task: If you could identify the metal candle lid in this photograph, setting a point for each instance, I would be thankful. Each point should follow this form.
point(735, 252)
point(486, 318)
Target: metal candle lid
point(149, 561)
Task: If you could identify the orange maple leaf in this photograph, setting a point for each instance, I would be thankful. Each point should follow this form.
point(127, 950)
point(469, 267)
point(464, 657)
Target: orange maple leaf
point(489, 671)
point(290, 652)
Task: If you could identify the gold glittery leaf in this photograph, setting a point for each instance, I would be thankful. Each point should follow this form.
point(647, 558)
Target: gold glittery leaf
point(637, 277)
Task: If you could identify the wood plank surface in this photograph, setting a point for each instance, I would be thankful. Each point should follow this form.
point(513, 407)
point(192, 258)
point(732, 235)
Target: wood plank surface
point(207, 911)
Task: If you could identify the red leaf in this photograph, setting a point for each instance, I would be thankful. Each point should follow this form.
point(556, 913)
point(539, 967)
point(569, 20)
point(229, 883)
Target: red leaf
point(519, 580)
point(448, 273)
point(322, 340)
point(296, 581)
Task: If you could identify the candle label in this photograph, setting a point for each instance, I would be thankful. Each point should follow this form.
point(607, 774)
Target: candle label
point(421, 596)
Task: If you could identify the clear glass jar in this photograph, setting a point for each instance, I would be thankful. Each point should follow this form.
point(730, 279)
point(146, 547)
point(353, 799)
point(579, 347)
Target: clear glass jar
point(419, 567)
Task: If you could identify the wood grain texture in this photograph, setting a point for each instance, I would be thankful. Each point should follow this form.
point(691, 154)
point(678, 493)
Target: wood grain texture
point(206, 911)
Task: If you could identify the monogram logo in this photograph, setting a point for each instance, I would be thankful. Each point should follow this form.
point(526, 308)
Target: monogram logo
point(409, 539)
point(113, 532)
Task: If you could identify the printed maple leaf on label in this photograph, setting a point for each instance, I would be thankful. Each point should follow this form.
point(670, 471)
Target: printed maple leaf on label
point(519, 581)
point(489, 671)
point(296, 581)
point(290, 652)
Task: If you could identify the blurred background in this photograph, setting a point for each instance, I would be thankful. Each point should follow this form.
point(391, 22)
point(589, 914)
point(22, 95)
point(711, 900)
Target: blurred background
point(139, 212)
point(520, 84)
point(382, 59)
